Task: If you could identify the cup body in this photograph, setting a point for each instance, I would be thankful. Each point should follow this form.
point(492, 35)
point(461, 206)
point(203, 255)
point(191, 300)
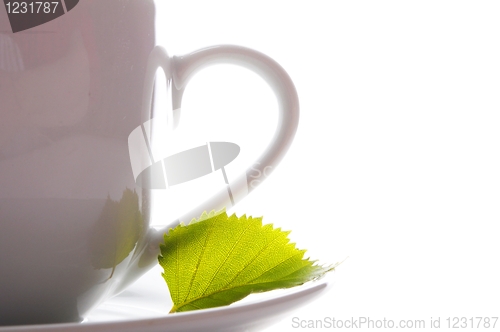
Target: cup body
point(71, 217)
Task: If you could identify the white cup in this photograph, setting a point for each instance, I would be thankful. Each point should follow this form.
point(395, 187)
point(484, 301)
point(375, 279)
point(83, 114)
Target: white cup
point(74, 225)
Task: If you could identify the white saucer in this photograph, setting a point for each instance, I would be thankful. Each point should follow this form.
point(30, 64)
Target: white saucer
point(144, 307)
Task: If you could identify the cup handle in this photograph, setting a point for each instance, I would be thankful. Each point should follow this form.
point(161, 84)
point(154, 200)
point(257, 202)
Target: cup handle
point(182, 68)
point(186, 66)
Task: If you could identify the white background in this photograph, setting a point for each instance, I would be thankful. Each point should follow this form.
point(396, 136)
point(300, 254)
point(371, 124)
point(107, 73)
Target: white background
point(395, 165)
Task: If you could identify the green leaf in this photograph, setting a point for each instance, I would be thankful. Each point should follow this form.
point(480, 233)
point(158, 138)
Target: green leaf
point(220, 260)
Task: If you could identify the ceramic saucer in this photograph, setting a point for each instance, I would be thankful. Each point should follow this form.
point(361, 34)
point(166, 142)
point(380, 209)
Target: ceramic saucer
point(144, 307)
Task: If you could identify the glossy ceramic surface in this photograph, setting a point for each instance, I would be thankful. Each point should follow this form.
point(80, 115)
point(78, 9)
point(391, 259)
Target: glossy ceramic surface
point(74, 223)
point(144, 305)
